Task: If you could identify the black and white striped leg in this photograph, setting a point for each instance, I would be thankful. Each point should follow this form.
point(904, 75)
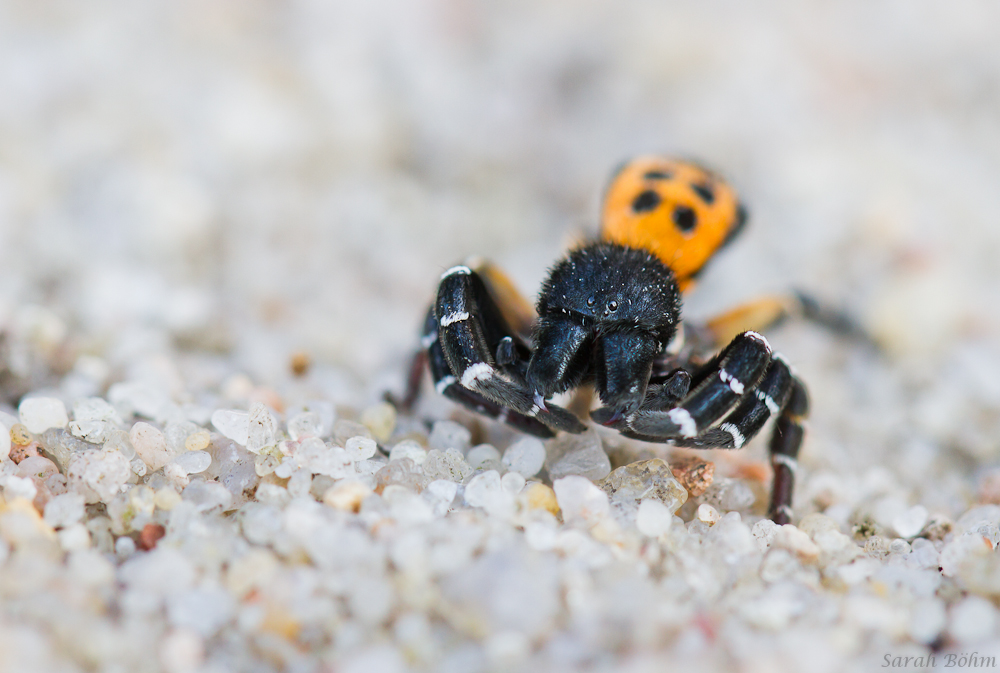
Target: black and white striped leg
point(447, 384)
point(471, 335)
point(750, 415)
point(736, 380)
point(719, 386)
point(785, 443)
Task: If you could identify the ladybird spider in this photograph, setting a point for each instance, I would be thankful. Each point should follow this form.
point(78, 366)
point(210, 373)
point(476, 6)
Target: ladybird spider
point(609, 313)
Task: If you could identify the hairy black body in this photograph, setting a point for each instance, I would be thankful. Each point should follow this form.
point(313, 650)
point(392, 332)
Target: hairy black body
point(604, 313)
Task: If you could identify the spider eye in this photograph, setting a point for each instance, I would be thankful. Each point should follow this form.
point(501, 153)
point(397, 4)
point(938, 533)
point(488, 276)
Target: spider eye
point(612, 305)
point(591, 300)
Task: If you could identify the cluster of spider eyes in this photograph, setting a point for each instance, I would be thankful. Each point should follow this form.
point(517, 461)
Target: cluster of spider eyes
point(611, 306)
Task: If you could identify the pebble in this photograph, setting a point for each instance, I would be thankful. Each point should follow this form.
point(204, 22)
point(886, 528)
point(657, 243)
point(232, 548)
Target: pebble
point(707, 514)
point(305, 424)
point(138, 467)
point(539, 496)
point(403, 472)
point(441, 493)
point(449, 435)
point(181, 651)
point(795, 541)
point(407, 449)
point(645, 480)
point(300, 483)
point(449, 464)
point(972, 620)
point(525, 456)
point(262, 429)
point(198, 441)
point(954, 553)
point(729, 495)
point(166, 499)
point(19, 435)
point(580, 500)
point(319, 458)
point(694, 474)
point(927, 620)
point(194, 462)
point(360, 448)
point(124, 547)
point(74, 538)
point(150, 445)
point(89, 431)
point(909, 523)
point(478, 455)
point(232, 424)
point(484, 490)
point(380, 419)
point(513, 482)
point(175, 476)
point(93, 418)
point(207, 496)
point(653, 518)
point(94, 409)
point(64, 510)
point(581, 454)
point(344, 430)
point(150, 534)
point(118, 441)
point(38, 414)
point(37, 467)
point(19, 452)
point(763, 533)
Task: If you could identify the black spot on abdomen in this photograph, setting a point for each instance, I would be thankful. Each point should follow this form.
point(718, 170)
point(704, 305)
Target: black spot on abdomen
point(646, 201)
point(685, 218)
point(657, 175)
point(706, 193)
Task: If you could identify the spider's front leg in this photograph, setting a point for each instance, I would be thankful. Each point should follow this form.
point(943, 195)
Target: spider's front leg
point(479, 361)
point(743, 387)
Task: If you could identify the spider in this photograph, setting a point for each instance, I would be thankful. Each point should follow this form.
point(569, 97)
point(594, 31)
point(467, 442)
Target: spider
point(608, 315)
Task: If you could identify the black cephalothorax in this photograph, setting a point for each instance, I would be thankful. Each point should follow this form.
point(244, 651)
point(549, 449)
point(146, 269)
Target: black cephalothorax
point(604, 313)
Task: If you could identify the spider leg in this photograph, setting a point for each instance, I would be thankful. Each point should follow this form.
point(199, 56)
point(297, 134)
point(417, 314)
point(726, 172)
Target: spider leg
point(716, 388)
point(471, 332)
point(446, 384)
point(776, 393)
point(785, 442)
point(754, 409)
point(517, 311)
point(766, 312)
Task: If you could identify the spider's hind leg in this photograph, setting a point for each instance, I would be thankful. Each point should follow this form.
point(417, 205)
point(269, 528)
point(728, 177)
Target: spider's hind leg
point(765, 312)
point(784, 447)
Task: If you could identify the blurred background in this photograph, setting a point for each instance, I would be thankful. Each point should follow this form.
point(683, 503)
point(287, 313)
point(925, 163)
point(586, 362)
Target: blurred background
point(248, 179)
